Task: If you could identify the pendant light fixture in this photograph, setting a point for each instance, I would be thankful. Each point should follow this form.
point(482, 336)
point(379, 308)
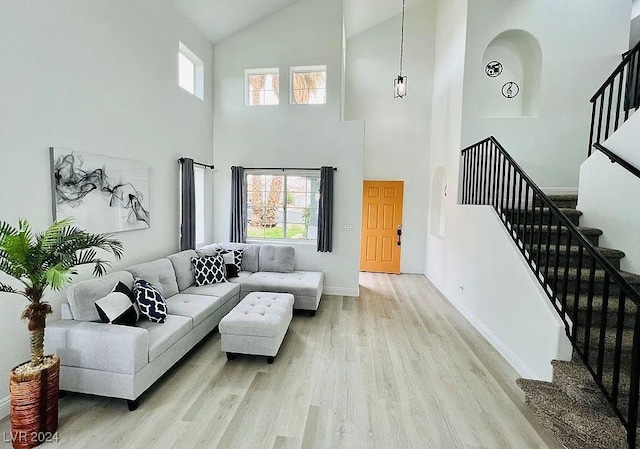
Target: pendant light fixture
point(400, 83)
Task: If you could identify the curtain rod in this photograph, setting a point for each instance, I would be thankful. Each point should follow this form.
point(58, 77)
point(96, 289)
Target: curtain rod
point(286, 168)
point(181, 160)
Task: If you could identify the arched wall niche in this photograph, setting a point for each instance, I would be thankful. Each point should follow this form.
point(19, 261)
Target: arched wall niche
point(438, 220)
point(520, 58)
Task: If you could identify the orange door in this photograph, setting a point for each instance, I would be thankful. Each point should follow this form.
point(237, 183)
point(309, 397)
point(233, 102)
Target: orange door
point(381, 221)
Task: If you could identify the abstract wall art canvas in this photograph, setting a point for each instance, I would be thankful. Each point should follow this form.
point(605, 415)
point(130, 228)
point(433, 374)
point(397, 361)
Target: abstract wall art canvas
point(102, 194)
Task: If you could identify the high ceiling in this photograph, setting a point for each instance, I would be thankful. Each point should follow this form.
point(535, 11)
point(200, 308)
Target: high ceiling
point(361, 15)
point(219, 19)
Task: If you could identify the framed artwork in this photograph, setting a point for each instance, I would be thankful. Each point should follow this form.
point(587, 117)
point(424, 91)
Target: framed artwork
point(102, 194)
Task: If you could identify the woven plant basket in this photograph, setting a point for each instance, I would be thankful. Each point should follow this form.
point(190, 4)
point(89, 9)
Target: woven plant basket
point(34, 406)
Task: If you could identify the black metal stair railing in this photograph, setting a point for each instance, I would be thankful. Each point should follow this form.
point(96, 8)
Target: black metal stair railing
point(599, 307)
point(617, 99)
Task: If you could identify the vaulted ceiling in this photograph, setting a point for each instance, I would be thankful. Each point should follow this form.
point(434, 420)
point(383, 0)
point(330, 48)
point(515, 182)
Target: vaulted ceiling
point(219, 19)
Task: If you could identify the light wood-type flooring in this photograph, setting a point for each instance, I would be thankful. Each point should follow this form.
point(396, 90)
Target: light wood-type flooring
point(396, 368)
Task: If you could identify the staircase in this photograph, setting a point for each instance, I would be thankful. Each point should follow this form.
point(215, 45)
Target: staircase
point(592, 402)
point(573, 407)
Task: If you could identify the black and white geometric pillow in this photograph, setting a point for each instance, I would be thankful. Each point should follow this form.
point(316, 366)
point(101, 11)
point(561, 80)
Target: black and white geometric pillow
point(150, 300)
point(208, 270)
point(118, 307)
point(232, 257)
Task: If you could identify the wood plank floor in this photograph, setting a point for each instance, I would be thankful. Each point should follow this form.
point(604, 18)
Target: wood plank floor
point(397, 367)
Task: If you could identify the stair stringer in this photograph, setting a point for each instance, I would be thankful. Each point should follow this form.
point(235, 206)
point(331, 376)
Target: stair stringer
point(497, 292)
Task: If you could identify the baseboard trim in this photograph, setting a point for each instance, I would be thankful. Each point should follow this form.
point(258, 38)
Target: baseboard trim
point(513, 360)
point(341, 291)
point(4, 407)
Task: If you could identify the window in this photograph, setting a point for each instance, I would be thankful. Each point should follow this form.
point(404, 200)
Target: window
point(190, 72)
point(309, 85)
point(282, 205)
point(262, 87)
point(198, 181)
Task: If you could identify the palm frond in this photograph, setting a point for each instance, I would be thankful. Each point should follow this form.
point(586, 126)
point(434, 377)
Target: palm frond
point(6, 229)
point(4, 288)
point(14, 270)
point(57, 276)
point(48, 240)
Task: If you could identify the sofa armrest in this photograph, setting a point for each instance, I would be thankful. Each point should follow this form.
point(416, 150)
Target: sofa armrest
point(98, 346)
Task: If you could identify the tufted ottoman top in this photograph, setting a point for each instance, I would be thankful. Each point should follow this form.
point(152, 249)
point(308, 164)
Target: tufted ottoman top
point(259, 314)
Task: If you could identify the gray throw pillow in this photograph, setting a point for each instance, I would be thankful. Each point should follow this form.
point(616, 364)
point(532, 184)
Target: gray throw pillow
point(277, 258)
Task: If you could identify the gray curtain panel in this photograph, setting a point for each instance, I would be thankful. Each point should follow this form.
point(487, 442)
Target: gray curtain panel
point(325, 212)
point(238, 232)
point(188, 220)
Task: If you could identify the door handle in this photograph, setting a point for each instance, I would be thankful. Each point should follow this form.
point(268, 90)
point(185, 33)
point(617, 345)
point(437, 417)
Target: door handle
point(399, 237)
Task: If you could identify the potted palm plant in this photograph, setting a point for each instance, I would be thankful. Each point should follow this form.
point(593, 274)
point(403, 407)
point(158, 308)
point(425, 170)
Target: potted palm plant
point(41, 261)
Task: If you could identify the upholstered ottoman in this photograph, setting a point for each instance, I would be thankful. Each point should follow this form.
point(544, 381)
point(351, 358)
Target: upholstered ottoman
point(257, 325)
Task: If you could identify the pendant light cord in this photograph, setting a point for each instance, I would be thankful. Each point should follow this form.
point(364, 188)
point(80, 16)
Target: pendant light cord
point(402, 38)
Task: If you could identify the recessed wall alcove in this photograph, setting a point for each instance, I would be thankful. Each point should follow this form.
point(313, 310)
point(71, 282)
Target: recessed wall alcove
point(438, 221)
point(510, 73)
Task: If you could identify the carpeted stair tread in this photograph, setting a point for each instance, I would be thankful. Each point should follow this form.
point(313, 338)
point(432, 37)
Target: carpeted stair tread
point(576, 381)
point(632, 278)
point(574, 250)
point(563, 197)
point(597, 309)
point(563, 230)
point(570, 212)
point(577, 426)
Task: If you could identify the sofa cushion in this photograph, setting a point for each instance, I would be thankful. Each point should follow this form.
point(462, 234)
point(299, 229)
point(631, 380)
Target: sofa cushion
point(150, 301)
point(182, 266)
point(242, 277)
point(196, 307)
point(277, 258)
point(209, 270)
point(163, 336)
point(160, 273)
point(250, 255)
point(298, 283)
point(224, 291)
point(82, 296)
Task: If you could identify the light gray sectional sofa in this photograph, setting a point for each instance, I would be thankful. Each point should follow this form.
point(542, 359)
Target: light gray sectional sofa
point(124, 361)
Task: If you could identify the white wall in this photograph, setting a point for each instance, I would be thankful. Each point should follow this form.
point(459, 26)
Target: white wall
point(608, 197)
point(397, 130)
point(581, 42)
point(100, 77)
point(499, 294)
point(635, 9)
point(291, 135)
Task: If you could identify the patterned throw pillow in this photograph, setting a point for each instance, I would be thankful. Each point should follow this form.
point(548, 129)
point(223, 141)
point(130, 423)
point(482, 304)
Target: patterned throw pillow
point(118, 308)
point(150, 300)
point(208, 270)
point(232, 257)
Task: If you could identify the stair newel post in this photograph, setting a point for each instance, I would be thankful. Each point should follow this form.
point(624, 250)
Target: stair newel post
point(492, 173)
point(576, 295)
point(628, 93)
point(617, 355)
point(632, 417)
point(603, 326)
point(587, 331)
point(533, 218)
